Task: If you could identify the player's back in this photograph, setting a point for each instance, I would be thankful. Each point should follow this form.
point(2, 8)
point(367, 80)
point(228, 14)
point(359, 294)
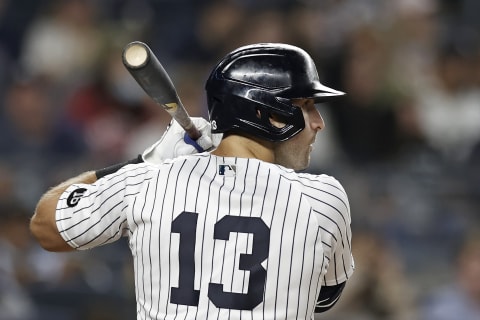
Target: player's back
point(233, 238)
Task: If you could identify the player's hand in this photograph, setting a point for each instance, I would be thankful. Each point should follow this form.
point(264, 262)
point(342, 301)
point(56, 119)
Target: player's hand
point(175, 142)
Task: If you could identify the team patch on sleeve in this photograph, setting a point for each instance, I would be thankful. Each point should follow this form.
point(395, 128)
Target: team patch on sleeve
point(75, 196)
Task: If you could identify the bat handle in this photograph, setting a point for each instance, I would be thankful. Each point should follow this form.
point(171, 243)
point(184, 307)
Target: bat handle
point(193, 132)
point(179, 113)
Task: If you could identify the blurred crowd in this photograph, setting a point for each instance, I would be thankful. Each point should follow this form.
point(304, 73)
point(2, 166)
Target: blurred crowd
point(405, 140)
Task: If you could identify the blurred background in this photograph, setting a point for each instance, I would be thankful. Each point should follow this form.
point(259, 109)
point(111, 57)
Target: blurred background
point(404, 142)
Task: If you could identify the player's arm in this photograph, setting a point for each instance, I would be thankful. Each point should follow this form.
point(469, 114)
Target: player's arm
point(43, 223)
point(172, 144)
point(342, 265)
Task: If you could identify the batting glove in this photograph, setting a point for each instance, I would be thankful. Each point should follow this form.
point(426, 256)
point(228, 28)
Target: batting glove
point(175, 142)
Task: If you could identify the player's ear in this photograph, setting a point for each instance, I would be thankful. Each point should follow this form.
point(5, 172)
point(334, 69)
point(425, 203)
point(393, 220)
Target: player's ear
point(277, 121)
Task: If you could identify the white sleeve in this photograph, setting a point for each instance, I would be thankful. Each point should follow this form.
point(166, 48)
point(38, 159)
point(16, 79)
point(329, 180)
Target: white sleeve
point(341, 264)
point(332, 210)
point(91, 215)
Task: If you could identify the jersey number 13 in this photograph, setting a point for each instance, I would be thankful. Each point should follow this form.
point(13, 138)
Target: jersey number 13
point(185, 294)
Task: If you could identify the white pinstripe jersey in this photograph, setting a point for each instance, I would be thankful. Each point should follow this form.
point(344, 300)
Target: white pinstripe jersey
point(218, 238)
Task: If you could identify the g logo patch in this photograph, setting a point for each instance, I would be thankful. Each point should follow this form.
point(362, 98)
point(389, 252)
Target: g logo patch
point(75, 197)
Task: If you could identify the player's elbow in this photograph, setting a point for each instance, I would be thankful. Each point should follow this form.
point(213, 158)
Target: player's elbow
point(38, 232)
point(45, 231)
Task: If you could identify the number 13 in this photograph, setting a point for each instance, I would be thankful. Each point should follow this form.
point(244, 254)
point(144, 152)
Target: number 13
point(186, 225)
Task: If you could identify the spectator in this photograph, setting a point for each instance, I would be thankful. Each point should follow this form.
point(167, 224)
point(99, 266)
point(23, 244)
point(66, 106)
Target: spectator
point(62, 43)
point(33, 138)
point(365, 120)
point(460, 297)
point(448, 106)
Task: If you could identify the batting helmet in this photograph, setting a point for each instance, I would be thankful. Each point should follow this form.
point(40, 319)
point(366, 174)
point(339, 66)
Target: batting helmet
point(253, 82)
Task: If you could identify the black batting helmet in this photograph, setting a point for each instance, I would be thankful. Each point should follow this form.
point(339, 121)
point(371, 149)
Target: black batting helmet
point(253, 82)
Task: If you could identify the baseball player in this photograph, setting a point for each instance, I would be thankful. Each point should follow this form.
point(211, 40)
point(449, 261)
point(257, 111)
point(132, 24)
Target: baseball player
point(233, 232)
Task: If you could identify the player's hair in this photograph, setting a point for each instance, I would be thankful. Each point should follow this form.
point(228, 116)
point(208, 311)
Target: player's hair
point(254, 82)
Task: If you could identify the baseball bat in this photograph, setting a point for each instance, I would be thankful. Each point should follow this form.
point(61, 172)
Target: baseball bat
point(149, 73)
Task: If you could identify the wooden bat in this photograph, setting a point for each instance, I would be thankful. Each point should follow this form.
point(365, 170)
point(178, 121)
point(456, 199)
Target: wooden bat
point(149, 73)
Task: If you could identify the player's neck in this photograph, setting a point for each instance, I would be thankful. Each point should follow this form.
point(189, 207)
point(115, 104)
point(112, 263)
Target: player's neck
point(244, 147)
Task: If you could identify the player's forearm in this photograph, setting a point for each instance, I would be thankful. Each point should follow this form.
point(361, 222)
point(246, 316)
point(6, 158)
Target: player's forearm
point(43, 224)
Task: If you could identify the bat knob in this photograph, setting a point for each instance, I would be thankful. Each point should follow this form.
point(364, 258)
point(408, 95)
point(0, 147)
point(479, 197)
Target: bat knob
point(135, 54)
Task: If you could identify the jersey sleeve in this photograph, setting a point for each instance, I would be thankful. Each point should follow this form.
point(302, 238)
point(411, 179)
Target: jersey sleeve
point(91, 215)
point(342, 265)
point(331, 208)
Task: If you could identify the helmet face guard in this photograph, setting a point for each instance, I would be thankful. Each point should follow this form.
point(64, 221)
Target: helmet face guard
point(253, 82)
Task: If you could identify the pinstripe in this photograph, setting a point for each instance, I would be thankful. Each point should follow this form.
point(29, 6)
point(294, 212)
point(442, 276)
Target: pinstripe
point(137, 294)
point(250, 214)
point(73, 225)
point(317, 237)
point(271, 222)
point(331, 234)
point(207, 166)
point(140, 258)
point(303, 261)
point(194, 196)
point(92, 226)
point(224, 244)
point(172, 218)
point(167, 183)
point(279, 263)
point(93, 239)
point(318, 284)
point(263, 206)
point(188, 179)
point(217, 210)
point(335, 266)
point(150, 246)
point(191, 170)
point(242, 192)
point(330, 205)
point(203, 237)
point(120, 230)
point(160, 227)
point(143, 246)
point(292, 256)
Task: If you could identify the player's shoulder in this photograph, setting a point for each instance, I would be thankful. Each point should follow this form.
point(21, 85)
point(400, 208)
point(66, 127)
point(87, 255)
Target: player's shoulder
point(313, 180)
point(322, 179)
point(141, 170)
point(153, 168)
